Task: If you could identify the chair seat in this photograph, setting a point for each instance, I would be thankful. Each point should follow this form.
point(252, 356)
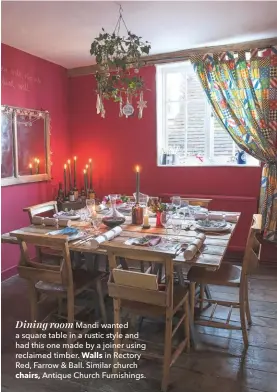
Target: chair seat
point(227, 274)
point(81, 279)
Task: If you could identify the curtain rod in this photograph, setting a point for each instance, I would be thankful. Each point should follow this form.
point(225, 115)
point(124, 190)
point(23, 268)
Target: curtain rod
point(183, 55)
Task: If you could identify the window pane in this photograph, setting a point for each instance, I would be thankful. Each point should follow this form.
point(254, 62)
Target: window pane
point(175, 126)
point(175, 86)
point(223, 143)
point(31, 145)
point(7, 169)
point(196, 127)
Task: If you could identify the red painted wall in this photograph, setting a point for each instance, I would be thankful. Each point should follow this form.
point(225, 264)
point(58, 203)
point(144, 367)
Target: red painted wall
point(31, 82)
point(117, 144)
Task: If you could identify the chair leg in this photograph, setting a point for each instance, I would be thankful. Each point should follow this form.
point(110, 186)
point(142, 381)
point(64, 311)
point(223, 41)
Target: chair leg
point(33, 295)
point(192, 299)
point(117, 331)
point(201, 296)
point(247, 307)
point(242, 314)
point(187, 328)
point(70, 317)
point(167, 350)
point(101, 300)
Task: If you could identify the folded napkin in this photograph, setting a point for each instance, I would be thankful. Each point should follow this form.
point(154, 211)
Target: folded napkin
point(100, 207)
point(109, 235)
point(193, 248)
point(200, 215)
point(148, 240)
point(37, 220)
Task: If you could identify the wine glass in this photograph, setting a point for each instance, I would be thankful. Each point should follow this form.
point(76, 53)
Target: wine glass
point(166, 222)
point(176, 226)
point(96, 223)
point(90, 203)
point(176, 202)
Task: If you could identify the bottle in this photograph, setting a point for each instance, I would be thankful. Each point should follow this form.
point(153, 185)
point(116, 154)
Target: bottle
point(60, 195)
point(91, 194)
point(83, 194)
point(76, 193)
point(71, 195)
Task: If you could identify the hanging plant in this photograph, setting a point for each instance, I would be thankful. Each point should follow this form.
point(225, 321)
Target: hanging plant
point(119, 59)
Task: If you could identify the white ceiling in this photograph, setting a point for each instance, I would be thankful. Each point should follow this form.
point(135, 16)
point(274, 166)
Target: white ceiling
point(62, 31)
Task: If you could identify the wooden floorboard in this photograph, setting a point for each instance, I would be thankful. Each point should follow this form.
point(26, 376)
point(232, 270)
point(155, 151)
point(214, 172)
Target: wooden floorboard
point(220, 365)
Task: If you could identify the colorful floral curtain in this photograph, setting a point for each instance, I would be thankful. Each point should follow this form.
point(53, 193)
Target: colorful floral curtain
point(243, 95)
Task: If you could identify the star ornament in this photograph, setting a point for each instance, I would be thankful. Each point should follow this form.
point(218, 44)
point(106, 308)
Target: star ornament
point(141, 104)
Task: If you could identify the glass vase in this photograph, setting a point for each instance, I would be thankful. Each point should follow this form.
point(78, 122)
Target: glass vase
point(158, 219)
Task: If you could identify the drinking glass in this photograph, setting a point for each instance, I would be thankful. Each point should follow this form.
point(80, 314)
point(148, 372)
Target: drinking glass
point(176, 202)
point(96, 223)
point(90, 203)
point(166, 222)
point(176, 226)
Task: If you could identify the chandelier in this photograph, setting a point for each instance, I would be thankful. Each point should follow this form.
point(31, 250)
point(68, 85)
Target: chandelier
point(119, 59)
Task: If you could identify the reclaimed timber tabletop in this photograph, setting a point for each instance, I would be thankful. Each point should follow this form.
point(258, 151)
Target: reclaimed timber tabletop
point(211, 254)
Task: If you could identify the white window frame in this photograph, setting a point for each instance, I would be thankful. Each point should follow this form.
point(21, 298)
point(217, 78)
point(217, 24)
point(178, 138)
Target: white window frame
point(162, 137)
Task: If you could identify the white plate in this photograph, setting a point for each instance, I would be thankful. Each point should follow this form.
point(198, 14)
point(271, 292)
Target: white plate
point(212, 228)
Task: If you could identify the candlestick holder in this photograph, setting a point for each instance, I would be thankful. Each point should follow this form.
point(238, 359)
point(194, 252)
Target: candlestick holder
point(146, 226)
point(137, 215)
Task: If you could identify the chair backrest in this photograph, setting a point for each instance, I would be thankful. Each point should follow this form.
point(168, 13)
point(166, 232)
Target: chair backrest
point(41, 208)
point(250, 258)
point(137, 290)
point(36, 270)
point(197, 202)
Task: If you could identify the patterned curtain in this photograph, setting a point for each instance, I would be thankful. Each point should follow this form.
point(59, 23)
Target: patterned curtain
point(243, 95)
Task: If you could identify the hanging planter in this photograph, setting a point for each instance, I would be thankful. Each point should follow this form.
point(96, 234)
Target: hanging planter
point(119, 60)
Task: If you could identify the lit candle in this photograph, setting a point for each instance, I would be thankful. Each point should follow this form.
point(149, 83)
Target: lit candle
point(69, 173)
point(75, 183)
point(87, 176)
point(146, 218)
point(85, 180)
point(31, 168)
point(137, 184)
point(64, 175)
point(90, 172)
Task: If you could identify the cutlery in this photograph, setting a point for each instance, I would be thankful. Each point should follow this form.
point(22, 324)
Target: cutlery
point(84, 239)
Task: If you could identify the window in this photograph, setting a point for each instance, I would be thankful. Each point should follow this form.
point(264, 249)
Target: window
point(188, 133)
point(25, 145)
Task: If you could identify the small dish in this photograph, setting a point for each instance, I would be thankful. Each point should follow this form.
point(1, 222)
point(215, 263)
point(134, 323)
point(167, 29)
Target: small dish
point(113, 221)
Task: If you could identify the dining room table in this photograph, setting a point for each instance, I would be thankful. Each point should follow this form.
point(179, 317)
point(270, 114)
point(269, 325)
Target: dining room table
point(209, 256)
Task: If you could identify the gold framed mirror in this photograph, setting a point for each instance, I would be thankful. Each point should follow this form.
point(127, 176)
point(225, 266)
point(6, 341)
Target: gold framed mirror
point(25, 145)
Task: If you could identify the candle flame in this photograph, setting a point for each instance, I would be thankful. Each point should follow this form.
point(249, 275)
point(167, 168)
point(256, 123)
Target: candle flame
point(85, 171)
point(86, 166)
point(65, 166)
point(75, 158)
point(137, 168)
point(30, 166)
point(37, 160)
point(68, 161)
point(89, 160)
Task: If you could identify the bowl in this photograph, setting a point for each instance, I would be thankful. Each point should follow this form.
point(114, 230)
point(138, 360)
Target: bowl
point(112, 222)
